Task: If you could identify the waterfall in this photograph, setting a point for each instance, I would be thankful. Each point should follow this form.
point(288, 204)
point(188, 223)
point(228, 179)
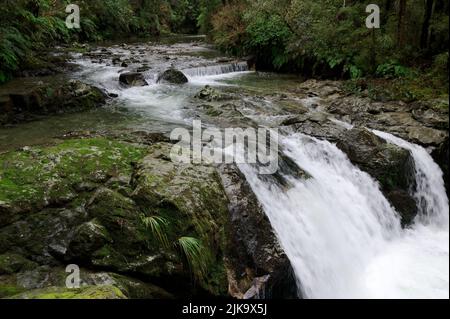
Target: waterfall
point(216, 69)
point(430, 192)
point(343, 238)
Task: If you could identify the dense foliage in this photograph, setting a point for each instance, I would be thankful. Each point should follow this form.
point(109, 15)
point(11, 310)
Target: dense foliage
point(316, 37)
point(330, 36)
point(28, 25)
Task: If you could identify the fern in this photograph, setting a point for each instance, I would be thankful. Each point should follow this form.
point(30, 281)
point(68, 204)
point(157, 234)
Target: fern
point(158, 226)
point(196, 254)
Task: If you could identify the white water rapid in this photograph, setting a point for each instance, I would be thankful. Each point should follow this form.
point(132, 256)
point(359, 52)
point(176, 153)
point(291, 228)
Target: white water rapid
point(343, 238)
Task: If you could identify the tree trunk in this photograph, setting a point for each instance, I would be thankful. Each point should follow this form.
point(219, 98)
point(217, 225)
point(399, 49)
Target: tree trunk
point(401, 23)
point(425, 36)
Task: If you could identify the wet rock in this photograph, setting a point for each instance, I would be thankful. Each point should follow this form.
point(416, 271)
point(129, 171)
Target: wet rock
point(132, 79)
point(87, 238)
point(426, 136)
point(405, 205)
point(190, 196)
point(441, 156)
point(431, 118)
point(116, 60)
point(44, 278)
point(13, 263)
point(210, 94)
point(316, 125)
point(103, 225)
point(173, 76)
point(255, 248)
point(391, 165)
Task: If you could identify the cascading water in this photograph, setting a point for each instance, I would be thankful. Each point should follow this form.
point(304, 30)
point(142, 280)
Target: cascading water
point(342, 236)
point(216, 69)
point(430, 193)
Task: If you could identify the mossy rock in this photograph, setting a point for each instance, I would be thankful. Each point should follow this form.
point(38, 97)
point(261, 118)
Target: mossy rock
point(33, 178)
point(13, 263)
point(191, 198)
point(90, 292)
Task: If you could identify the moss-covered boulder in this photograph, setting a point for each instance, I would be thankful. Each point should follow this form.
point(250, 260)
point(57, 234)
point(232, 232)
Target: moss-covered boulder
point(34, 178)
point(13, 263)
point(191, 199)
point(103, 203)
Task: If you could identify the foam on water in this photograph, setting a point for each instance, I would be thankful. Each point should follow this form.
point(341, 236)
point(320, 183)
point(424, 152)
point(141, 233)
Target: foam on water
point(344, 239)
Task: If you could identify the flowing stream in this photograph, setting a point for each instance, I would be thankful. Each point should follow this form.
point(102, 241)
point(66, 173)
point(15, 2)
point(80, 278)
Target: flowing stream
point(342, 236)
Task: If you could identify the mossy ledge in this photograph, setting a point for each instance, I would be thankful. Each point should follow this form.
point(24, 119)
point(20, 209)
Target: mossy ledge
point(83, 201)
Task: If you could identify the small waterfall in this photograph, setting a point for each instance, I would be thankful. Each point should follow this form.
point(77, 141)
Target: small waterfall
point(430, 192)
point(343, 238)
point(216, 69)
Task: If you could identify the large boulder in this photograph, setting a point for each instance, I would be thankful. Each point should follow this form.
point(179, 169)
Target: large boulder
point(27, 99)
point(132, 79)
point(173, 76)
point(391, 165)
point(107, 204)
point(257, 265)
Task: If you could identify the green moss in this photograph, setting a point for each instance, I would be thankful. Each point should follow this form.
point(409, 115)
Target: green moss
point(89, 292)
point(37, 174)
point(10, 290)
point(12, 263)
point(192, 200)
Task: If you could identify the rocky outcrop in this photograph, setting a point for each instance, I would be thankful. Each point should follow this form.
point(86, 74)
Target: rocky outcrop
point(421, 123)
point(391, 165)
point(257, 266)
point(441, 156)
point(132, 79)
point(27, 99)
point(173, 76)
point(106, 204)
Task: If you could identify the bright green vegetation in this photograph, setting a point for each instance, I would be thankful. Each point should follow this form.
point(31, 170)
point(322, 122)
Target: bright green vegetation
point(37, 174)
point(191, 249)
point(88, 292)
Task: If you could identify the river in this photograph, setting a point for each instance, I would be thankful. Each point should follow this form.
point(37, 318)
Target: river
point(343, 238)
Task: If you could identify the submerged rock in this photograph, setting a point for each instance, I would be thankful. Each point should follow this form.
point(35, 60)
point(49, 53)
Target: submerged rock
point(173, 76)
